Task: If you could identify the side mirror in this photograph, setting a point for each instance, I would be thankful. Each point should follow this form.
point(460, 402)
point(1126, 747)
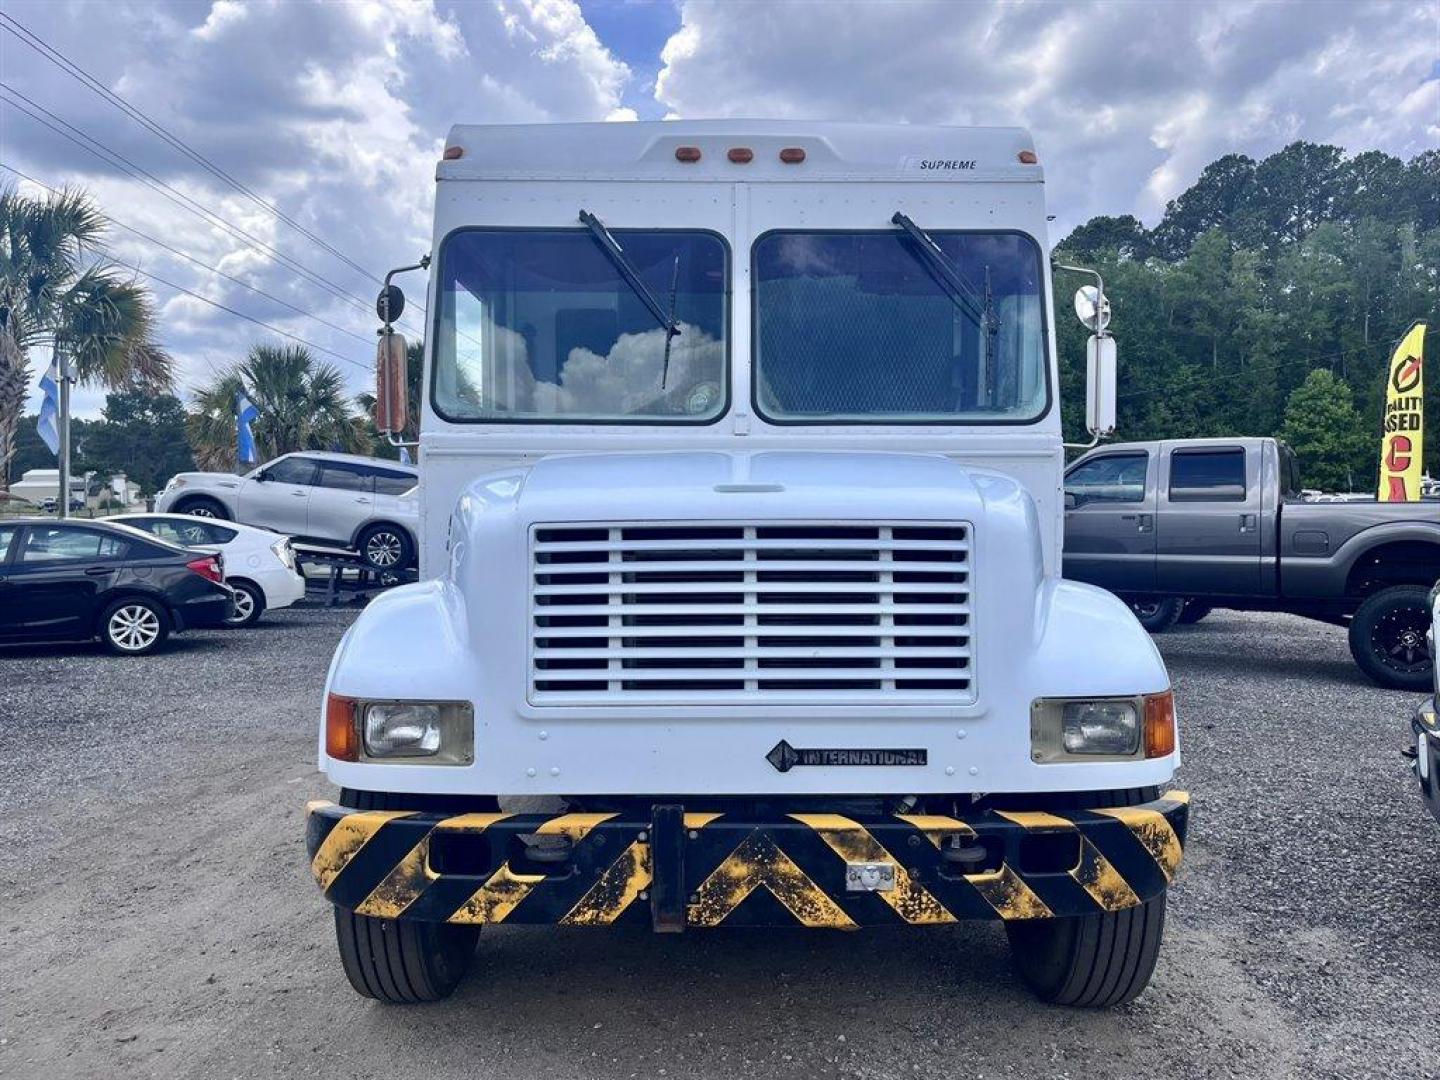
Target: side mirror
point(262, 475)
point(1100, 362)
point(1070, 501)
point(1092, 308)
point(391, 393)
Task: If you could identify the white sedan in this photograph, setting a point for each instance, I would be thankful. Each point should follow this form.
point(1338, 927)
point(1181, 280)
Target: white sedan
point(259, 564)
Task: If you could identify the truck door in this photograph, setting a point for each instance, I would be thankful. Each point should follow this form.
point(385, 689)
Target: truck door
point(1110, 521)
point(1208, 536)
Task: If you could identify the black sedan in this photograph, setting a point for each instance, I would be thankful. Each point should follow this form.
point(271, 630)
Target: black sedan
point(75, 581)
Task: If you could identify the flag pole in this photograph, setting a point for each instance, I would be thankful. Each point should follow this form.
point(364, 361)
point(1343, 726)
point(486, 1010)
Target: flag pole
point(62, 504)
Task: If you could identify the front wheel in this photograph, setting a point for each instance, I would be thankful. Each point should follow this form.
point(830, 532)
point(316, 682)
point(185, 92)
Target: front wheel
point(1387, 637)
point(403, 962)
point(1093, 961)
point(1158, 615)
point(202, 506)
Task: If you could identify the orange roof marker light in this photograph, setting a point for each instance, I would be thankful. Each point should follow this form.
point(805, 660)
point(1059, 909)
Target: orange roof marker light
point(1027, 157)
point(792, 155)
point(687, 154)
point(741, 155)
point(453, 153)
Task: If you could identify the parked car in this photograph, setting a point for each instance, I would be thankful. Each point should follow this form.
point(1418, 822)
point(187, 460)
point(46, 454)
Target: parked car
point(361, 503)
point(259, 564)
point(1219, 523)
point(1426, 722)
point(73, 581)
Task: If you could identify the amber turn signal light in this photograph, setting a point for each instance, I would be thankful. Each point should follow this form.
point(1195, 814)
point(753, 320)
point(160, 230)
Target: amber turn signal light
point(342, 736)
point(1159, 724)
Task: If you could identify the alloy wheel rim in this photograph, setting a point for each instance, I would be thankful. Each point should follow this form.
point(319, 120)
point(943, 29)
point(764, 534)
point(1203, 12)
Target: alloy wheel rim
point(241, 606)
point(1398, 639)
point(134, 627)
point(383, 549)
point(201, 511)
point(1145, 611)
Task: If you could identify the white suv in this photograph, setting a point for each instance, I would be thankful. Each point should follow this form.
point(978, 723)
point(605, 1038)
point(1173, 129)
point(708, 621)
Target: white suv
point(362, 503)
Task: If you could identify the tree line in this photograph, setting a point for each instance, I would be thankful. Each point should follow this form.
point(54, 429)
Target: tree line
point(1266, 301)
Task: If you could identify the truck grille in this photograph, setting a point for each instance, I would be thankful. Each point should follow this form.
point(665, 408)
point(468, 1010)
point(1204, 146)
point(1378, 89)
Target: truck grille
point(795, 613)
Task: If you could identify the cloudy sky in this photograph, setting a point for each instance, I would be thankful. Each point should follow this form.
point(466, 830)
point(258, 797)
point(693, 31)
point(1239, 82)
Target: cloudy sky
point(335, 112)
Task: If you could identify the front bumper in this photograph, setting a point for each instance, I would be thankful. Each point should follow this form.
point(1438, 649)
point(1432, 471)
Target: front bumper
point(1426, 726)
point(684, 868)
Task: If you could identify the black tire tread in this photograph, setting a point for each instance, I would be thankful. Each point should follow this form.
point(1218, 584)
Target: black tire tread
point(1171, 607)
point(403, 962)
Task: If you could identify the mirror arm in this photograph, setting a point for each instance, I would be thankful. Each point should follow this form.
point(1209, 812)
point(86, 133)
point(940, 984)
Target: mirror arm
point(1100, 331)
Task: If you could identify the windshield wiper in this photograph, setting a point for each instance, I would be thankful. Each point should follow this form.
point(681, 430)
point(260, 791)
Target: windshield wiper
point(979, 307)
point(966, 297)
point(616, 255)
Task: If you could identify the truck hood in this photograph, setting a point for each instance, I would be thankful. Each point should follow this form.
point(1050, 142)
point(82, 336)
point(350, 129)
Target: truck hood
point(775, 484)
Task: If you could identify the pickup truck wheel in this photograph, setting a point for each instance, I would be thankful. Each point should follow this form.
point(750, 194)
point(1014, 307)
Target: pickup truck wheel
point(1157, 616)
point(1093, 961)
point(403, 962)
point(1194, 612)
point(1387, 637)
point(202, 506)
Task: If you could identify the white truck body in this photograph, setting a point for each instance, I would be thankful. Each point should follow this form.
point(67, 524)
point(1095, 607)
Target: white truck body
point(466, 631)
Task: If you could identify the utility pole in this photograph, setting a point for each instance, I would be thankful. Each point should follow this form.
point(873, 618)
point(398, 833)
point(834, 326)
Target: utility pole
point(62, 504)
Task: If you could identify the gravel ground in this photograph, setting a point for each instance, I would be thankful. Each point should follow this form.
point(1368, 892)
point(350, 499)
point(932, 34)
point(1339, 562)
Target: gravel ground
point(157, 917)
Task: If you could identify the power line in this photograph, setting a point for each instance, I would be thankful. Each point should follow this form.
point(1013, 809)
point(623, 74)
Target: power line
point(60, 60)
point(198, 262)
point(232, 311)
point(119, 161)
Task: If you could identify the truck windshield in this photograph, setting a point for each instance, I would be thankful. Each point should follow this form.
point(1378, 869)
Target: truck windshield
point(540, 325)
point(855, 327)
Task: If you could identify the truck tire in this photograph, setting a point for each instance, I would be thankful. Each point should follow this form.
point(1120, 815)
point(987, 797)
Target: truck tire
point(1157, 615)
point(1091, 961)
point(202, 506)
point(1387, 637)
point(402, 961)
point(1194, 611)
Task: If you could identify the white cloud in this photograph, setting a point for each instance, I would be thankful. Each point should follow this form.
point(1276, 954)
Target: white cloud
point(1127, 101)
point(334, 113)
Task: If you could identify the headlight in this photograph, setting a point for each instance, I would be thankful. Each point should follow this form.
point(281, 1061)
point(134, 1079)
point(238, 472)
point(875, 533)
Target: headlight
point(430, 732)
point(1102, 729)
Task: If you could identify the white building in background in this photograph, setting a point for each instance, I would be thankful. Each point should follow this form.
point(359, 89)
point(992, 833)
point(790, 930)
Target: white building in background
point(37, 485)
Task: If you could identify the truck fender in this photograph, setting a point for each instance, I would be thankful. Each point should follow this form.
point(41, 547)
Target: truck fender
point(410, 643)
point(1087, 643)
point(1367, 540)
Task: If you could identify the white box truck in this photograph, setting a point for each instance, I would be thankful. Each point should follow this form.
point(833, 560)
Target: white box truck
point(741, 520)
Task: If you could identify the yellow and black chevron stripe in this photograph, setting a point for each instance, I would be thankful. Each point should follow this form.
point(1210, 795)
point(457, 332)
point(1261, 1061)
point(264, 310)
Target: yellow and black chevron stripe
point(596, 869)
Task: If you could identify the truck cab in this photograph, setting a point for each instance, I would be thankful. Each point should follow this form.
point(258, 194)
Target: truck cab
point(740, 527)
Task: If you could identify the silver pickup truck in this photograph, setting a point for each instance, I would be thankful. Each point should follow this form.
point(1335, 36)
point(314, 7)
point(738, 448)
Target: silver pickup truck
point(1180, 527)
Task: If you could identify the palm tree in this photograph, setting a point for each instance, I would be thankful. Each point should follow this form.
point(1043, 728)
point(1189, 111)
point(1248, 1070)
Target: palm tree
point(54, 288)
point(302, 404)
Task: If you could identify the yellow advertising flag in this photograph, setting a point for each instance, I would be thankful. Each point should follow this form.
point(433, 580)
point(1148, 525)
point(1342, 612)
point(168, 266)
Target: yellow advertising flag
point(1402, 446)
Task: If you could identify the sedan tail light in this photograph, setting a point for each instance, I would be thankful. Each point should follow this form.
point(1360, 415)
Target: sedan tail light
point(209, 567)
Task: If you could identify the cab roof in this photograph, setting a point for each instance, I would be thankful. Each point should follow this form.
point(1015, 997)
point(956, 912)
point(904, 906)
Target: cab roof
point(646, 150)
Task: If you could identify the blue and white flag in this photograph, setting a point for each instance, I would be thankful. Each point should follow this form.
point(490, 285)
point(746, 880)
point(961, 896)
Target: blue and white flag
point(404, 455)
point(48, 424)
point(245, 414)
